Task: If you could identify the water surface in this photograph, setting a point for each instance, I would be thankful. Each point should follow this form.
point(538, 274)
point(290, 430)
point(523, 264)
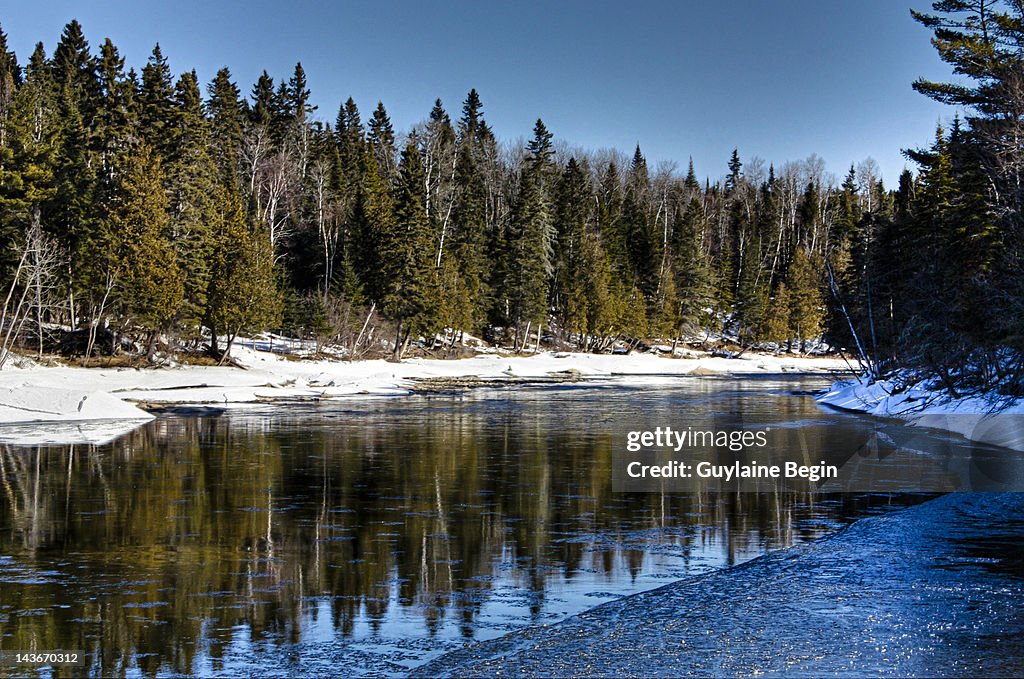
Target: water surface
point(370, 536)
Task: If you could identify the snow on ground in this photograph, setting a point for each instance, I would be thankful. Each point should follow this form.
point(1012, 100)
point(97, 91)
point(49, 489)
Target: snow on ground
point(35, 393)
point(977, 418)
point(27, 402)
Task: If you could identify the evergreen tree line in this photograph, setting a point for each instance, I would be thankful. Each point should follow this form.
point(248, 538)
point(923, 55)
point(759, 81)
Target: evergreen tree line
point(133, 204)
point(937, 285)
point(174, 212)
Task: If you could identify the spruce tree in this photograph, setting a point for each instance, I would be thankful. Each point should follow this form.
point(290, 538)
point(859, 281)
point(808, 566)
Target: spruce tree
point(372, 222)
point(471, 123)
point(74, 69)
point(735, 176)
point(643, 246)
point(778, 319)
point(351, 146)
point(540, 157)
point(570, 289)
point(381, 137)
point(695, 281)
point(117, 113)
point(242, 292)
point(156, 104)
point(468, 245)
point(405, 261)
point(295, 103)
point(807, 302)
point(226, 112)
point(191, 180)
point(28, 156)
point(152, 288)
point(613, 236)
point(529, 263)
point(751, 294)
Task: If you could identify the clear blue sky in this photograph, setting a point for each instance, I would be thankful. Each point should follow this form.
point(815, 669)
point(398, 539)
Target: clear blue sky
point(779, 80)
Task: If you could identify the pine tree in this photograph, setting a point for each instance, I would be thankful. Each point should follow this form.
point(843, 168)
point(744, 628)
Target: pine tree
point(382, 140)
point(372, 222)
point(74, 69)
point(469, 239)
point(405, 254)
point(242, 292)
point(227, 115)
point(152, 288)
point(156, 104)
point(806, 299)
point(570, 290)
point(190, 181)
point(528, 254)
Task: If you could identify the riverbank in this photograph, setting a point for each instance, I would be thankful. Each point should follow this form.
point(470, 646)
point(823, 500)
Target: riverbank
point(41, 394)
point(991, 420)
point(929, 591)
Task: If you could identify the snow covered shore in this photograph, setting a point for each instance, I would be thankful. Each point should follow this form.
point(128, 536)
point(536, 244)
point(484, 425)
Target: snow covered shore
point(38, 394)
point(986, 420)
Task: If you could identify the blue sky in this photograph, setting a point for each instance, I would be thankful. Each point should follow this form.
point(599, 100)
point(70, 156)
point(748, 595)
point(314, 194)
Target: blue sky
point(778, 80)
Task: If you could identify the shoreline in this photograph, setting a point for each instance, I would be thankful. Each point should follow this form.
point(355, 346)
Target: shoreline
point(810, 610)
point(39, 395)
point(976, 418)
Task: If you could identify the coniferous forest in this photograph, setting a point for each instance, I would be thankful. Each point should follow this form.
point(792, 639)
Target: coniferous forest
point(140, 209)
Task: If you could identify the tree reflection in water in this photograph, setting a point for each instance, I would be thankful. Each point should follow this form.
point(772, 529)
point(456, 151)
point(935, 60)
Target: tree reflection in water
point(426, 518)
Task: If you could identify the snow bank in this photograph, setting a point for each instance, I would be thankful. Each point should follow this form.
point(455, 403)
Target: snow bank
point(96, 432)
point(34, 394)
point(985, 420)
point(27, 403)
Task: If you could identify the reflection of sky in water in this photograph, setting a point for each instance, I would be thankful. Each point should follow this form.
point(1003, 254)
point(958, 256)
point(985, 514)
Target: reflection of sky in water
point(398, 528)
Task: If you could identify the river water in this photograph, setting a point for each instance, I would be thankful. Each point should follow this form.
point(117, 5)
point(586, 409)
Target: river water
point(368, 537)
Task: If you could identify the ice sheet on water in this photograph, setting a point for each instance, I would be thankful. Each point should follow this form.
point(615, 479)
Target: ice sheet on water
point(930, 591)
point(66, 433)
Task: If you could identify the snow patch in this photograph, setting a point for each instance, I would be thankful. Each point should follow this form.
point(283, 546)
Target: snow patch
point(975, 418)
point(27, 403)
